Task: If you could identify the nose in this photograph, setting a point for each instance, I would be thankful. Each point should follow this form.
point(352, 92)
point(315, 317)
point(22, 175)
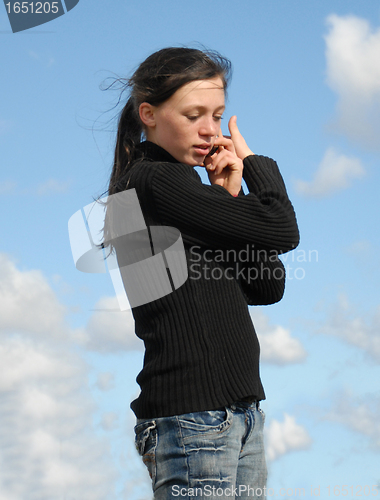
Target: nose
point(208, 127)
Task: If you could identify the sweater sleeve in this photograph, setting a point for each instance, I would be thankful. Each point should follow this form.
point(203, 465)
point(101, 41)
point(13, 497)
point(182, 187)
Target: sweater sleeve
point(262, 279)
point(213, 217)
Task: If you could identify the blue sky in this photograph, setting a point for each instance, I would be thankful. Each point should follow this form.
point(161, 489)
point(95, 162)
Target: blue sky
point(306, 90)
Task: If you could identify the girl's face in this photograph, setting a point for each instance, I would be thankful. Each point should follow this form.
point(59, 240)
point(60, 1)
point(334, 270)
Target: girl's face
point(186, 125)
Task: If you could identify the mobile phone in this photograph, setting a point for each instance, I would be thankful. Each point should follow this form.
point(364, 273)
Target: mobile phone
point(214, 150)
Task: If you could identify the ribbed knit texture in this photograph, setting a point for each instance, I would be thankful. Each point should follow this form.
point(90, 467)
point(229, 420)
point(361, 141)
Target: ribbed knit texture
point(202, 351)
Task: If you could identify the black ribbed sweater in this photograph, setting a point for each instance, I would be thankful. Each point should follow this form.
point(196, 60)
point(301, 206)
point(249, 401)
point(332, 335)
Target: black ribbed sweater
point(202, 351)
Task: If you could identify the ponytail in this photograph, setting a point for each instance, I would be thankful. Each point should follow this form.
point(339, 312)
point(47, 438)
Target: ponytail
point(128, 136)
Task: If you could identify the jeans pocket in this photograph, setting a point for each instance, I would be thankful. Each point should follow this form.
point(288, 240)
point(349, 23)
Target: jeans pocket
point(146, 444)
point(212, 422)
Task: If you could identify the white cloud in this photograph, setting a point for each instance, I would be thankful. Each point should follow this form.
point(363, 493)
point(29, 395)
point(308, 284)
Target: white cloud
point(105, 381)
point(276, 344)
point(361, 248)
point(284, 437)
point(28, 304)
point(353, 72)
point(358, 415)
point(111, 330)
point(7, 186)
point(48, 446)
point(362, 253)
point(45, 59)
point(335, 172)
point(49, 187)
point(33, 54)
point(23, 360)
point(52, 186)
point(358, 331)
point(109, 421)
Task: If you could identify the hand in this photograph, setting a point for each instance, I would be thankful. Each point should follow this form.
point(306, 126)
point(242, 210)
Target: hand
point(225, 166)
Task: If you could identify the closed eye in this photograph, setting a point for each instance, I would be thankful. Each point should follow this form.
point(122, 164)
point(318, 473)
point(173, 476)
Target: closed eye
point(192, 118)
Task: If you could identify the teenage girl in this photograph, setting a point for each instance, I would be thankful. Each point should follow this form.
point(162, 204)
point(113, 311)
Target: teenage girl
point(199, 425)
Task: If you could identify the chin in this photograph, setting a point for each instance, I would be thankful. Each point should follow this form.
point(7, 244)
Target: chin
point(197, 161)
point(189, 158)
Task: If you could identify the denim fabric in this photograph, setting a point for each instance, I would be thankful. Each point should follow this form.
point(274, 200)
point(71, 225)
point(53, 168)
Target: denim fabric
point(211, 454)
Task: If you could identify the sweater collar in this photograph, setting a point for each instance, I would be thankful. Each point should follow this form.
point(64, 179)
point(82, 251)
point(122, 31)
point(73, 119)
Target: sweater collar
point(154, 152)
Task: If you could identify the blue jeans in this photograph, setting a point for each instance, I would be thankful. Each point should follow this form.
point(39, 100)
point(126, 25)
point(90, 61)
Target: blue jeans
point(210, 454)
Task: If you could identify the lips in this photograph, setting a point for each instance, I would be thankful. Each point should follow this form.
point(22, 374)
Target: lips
point(203, 149)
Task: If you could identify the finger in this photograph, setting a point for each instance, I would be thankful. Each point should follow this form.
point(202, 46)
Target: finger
point(232, 126)
point(218, 139)
point(241, 147)
point(224, 160)
point(207, 161)
point(225, 142)
point(210, 162)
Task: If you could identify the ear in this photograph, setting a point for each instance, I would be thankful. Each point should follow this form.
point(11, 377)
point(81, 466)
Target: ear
point(146, 112)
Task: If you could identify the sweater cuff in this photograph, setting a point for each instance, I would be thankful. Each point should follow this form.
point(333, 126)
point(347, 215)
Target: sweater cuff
point(261, 173)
